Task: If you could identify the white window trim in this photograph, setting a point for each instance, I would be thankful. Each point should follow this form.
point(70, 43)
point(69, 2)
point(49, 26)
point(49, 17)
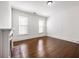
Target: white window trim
point(26, 26)
point(42, 28)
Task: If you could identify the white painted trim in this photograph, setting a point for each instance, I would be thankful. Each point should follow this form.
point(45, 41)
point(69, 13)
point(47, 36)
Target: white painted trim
point(27, 38)
point(66, 39)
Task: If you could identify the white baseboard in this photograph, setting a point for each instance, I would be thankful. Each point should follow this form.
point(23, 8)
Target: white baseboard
point(27, 38)
point(66, 39)
point(59, 37)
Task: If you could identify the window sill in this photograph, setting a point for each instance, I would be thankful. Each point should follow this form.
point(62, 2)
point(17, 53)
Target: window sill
point(23, 34)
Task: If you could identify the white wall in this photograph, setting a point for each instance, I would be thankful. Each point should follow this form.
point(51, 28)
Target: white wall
point(0, 43)
point(64, 22)
point(5, 26)
point(5, 43)
point(33, 25)
point(5, 15)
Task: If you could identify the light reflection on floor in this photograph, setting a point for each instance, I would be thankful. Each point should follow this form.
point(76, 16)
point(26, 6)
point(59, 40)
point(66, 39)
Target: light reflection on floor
point(24, 50)
point(40, 49)
point(16, 52)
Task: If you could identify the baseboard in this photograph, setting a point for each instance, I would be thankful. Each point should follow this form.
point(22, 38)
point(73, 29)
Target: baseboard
point(66, 39)
point(29, 39)
point(62, 38)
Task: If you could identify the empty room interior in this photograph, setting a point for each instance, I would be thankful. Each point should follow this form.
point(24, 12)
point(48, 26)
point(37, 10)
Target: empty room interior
point(39, 29)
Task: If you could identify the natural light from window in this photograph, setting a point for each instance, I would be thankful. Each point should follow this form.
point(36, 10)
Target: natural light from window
point(41, 26)
point(23, 25)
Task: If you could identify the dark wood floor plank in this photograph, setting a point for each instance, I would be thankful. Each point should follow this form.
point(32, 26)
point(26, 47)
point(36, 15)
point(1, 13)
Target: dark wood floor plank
point(45, 47)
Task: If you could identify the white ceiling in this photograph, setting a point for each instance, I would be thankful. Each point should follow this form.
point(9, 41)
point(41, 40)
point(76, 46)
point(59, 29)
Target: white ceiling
point(41, 7)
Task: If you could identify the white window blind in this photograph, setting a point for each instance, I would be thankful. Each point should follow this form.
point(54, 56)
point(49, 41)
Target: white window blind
point(41, 25)
point(23, 25)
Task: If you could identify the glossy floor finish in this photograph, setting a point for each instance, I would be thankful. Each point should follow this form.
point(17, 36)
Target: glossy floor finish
point(45, 47)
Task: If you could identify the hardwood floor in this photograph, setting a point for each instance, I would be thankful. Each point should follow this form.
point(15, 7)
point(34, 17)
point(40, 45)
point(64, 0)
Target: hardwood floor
point(45, 47)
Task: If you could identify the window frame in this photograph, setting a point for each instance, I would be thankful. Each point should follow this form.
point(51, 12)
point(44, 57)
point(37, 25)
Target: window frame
point(23, 25)
point(41, 26)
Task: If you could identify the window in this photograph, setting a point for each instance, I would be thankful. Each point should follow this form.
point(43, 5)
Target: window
point(23, 25)
point(41, 26)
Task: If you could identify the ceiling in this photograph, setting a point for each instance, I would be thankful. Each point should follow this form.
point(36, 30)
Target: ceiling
point(41, 7)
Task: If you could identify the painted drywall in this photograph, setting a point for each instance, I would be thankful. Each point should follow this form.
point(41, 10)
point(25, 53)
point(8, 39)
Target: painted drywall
point(0, 43)
point(5, 15)
point(63, 22)
point(32, 27)
point(5, 23)
point(5, 43)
